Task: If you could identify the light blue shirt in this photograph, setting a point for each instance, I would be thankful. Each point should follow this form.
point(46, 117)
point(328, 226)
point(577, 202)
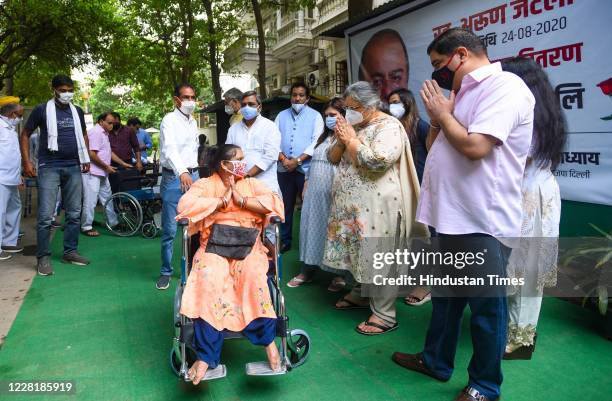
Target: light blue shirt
point(299, 134)
point(144, 138)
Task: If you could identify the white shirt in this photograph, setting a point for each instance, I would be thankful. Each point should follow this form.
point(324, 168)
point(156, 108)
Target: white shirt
point(462, 196)
point(261, 146)
point(178, 142)
point(10, 156)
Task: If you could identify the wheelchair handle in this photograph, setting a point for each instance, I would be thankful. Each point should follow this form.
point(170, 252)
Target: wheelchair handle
point(183, 222)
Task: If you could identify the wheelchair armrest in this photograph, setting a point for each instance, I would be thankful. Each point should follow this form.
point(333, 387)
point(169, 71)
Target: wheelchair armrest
point(275, 220)
point(183, 222)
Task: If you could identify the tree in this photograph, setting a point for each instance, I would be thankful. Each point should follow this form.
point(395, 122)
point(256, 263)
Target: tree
point(261, 36)
point(55, 34)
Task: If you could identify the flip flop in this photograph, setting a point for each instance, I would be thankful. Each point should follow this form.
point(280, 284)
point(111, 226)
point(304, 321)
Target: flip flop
point(91, 233)
point(336, 285)
point(298, 281)
point(385, 329)
point(420, 301)
point(351, 305)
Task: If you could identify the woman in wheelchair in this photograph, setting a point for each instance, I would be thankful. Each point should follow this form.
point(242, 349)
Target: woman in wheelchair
point(223, 291)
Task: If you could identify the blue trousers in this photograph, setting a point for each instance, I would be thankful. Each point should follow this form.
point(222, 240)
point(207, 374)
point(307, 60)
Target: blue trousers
point(208, 341)
point(291, 185)
point(68, 180)
point(170, 191)
point(488, 323)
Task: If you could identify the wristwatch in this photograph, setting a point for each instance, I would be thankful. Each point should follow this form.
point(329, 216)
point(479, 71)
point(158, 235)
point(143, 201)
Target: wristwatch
point(299, 161)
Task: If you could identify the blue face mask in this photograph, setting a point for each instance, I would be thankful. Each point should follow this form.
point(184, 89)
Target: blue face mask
point(330, 122)
point(249, 112)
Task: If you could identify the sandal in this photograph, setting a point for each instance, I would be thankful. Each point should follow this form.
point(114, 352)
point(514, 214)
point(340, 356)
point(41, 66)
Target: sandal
point(414, 300)
point(297, 281)
point(351, 305)
point(336, 285)
point(91, 233)
point(385, 329)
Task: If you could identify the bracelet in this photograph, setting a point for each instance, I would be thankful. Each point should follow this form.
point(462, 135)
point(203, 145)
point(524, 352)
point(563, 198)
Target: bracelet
point(434, 126)
point(225, 202)
point(243, 203)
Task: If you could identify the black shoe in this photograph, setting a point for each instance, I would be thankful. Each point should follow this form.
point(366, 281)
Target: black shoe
point(75, 259)
point(163, 282)
point(285, 248)
point(44, 266)
point(12, 249)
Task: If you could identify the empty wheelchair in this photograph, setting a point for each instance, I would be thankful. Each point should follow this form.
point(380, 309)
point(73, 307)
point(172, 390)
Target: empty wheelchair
point(137, 204)
point(294, 344)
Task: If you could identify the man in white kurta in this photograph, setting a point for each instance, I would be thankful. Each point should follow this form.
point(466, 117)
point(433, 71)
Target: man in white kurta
point(10, 179)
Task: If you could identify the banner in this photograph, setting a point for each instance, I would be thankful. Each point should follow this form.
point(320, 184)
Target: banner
point(568, 38)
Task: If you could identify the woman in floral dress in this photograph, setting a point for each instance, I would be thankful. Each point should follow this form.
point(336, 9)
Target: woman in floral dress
point(375, 194)
point(535, 259)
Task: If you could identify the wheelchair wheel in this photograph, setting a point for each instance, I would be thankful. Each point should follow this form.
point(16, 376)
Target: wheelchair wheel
point(129, 214)
point(298, 347)
point(149, 230)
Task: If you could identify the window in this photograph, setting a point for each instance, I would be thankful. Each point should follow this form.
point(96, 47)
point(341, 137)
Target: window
point(341, 76)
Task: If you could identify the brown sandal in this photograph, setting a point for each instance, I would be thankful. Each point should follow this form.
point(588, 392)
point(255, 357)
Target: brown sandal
point(91, 233)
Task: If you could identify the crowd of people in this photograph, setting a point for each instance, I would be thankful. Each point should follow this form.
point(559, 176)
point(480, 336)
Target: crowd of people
point(368, 166)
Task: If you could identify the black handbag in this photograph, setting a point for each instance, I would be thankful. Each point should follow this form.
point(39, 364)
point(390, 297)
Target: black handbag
point(231, 241)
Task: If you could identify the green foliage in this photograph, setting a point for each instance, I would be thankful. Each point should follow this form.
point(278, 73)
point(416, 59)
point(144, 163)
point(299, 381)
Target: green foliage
point(52, 34)
point(105, 97)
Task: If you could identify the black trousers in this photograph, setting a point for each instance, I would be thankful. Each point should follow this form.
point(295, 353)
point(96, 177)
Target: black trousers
point(291, 185)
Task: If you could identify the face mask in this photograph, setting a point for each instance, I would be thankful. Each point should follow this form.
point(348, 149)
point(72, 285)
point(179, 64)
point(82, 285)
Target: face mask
point(297, 107)
point(187, 107)
point(65, 97)
point(116, 126)
point(444, 76)
point(229, 110)
point(13, 122)
point(249, 112)
point(397, 110)
point(353, 117)
point(330, 122)
point(238, 168)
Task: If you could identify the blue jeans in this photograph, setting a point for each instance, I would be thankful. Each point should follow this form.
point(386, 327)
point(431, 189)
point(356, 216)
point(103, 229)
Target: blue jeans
point(291, 185)
point(488, 323)
point(170, 190)
point(68, 181)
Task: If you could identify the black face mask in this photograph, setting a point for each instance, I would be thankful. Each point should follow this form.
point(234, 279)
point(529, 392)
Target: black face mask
point(116, 126)
point(444, 76)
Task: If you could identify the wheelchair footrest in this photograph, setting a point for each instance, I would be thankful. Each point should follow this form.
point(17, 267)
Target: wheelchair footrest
point(263, 369)
point(211, 374)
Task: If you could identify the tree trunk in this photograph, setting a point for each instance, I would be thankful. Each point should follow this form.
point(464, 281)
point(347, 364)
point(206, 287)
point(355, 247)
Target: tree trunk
point(261, 71)
point(8, 91)
point(215, 72)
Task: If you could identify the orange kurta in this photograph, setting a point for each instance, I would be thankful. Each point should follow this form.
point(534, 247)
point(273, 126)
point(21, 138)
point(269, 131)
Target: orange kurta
point(227, 293)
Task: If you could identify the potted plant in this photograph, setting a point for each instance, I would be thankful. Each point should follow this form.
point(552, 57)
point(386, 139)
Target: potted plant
point(596, 256)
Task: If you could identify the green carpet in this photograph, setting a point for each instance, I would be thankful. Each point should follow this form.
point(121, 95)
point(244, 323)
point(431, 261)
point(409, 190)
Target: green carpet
point(107, 328)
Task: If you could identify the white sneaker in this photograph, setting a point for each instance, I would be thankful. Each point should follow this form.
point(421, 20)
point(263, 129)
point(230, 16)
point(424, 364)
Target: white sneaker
point(5, 256)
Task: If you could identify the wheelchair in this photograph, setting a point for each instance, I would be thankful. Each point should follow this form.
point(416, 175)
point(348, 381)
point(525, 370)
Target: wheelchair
point(294, 344)
point(137, 203)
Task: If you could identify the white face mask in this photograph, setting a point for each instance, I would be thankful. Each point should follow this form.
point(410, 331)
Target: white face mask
point(397, 110)
point(229, 110)
point(13, 122)
point(353, 117)
point(187, 107)
point(65, 97)
point(297, 107)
